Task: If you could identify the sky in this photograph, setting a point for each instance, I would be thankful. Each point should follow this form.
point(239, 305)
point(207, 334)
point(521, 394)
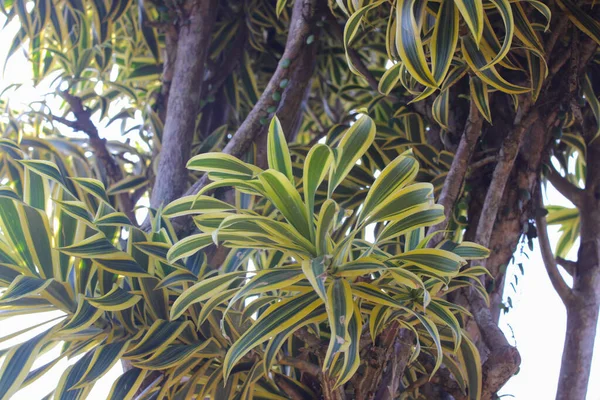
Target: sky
point(535, 324)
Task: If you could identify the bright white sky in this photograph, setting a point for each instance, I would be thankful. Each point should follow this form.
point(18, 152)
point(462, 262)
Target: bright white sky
point(536, 324)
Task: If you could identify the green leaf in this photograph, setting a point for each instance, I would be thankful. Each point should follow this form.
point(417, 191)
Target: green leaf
point(105, 357)
point(479, 94)
point(409, 44)
point(278, 154)
point(439, 262)
point(471, 251)
point(325, 224)
point(202, 291)
point(280, 191)
point(472, 13)
point(127, 385)
point(277, 318)
point(115, 300)
point(394, 206)
point(361, 266)
point(195, 205)
point(340, 308)
point(83, 318)
point(176, 354)
point(471, 363)
point(188, 246)
point(389, 79)
point(478, 61)
point(17, 363)
point(316, 167)
point(351, 29)
point(92, 186)
point(444, 40)
point(266, 281)
point(352, 354)
point(354, 144)
point(24, 286)
point(127, 185)
point(396, 175)
point(223, 163)
point(46, 169)
point(159, 335)
point(315, 271)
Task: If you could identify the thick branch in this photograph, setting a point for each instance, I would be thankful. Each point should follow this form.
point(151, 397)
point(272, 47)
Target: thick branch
point(460, 163)
point(301, 24)
point(566, 188)
point(559, 284)
point(506, 160)
point(568, 265)
point(184, 101)
point(84, 124)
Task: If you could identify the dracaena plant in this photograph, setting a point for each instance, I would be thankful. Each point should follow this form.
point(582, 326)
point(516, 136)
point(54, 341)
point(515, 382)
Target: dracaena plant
point(301, 265)
point(327, 277)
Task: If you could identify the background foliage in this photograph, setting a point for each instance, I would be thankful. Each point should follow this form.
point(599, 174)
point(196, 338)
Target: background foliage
point(345, 277)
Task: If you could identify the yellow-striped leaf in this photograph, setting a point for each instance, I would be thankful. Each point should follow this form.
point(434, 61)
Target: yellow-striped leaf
point(278, 317)
point(315, 169)
point(472, 13)
point(479, 94)
point(278, 154)
point(357, 139)
point(282, 193)
point(409, 45)
point(444, 40)
point(340, 307)
point(202, 291)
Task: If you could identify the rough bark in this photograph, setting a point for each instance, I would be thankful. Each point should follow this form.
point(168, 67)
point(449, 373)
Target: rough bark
point(291, 65)
point(184, 101)
point(84, 124)
point(460, 164)
point(583, 306)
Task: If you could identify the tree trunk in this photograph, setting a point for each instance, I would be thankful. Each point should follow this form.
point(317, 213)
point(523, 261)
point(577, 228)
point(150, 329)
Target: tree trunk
point(184, 101)
point(578, 351)
point(582, 310)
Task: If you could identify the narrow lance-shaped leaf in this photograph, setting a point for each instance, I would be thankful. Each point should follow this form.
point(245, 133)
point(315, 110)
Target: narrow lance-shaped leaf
point(18, 362)
point(472, 13)
point(278, 154)
point(444, 40)
point(477, 61)
point(315, 271)
point(282, 193)
point(409, 45)
point(479, 94)
point(357, 139)
point(316, 167)
point(201, 291)
point(340, 307)
point(394, 176)
point(277, 318)
point(351, 29)
point(389, 79)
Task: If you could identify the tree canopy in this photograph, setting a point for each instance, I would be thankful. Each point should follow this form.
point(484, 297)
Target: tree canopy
point(309, 199)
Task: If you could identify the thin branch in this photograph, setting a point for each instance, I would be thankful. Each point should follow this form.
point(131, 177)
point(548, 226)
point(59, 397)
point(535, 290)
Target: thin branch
point(302, 365)
point(287, 388)
point(566, 188)
point(559, 284)
point(483, 162)
point(460, 164)
point(568, 265)
point(84, 124)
